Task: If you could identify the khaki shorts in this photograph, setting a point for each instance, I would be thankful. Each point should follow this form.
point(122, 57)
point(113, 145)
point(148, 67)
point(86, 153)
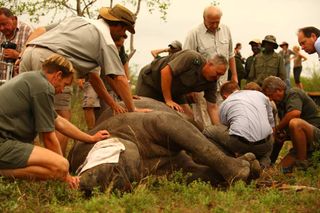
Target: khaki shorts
point(315, 145)
point(14, 154)
point(90, 97)
point(62, 101)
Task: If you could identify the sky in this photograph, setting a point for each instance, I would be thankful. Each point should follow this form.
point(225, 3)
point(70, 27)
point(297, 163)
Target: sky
point(247, 19)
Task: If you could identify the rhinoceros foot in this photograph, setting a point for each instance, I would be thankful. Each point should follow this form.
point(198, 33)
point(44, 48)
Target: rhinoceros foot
point(255, 168)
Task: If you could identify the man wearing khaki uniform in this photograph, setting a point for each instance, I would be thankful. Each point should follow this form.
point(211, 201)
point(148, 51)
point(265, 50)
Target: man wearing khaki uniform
point(267, 62)
point(211, 38)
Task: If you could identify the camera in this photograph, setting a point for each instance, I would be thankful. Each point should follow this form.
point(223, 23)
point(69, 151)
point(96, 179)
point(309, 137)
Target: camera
point(9, 45)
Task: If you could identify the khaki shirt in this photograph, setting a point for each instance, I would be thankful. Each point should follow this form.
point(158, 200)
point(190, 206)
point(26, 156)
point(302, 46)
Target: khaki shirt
point(84, 45)
point(264, 65)
point(186, 67)
point(209, 44)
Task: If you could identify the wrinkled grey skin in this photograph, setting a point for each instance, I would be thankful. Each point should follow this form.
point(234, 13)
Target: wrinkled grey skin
point(154, 142)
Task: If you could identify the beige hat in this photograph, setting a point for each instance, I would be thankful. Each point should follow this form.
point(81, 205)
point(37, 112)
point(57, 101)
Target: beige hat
point(256, 40)
point(270, 39)
point(176, 45)
point(119, 13)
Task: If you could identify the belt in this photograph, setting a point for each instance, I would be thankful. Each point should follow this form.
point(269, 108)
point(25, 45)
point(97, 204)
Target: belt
point(245, 141)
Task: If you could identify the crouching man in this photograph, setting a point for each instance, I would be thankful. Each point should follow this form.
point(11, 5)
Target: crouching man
point(27, 109)
point(247, 122)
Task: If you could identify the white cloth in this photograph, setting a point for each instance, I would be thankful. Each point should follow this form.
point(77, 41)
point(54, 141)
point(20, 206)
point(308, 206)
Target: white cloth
point(105, 151)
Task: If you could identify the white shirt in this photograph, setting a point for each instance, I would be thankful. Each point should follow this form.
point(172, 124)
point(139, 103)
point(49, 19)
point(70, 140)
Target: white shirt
point(248, 114)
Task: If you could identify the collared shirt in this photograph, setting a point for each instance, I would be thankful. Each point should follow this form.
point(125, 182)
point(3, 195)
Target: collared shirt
point(22, 33)
point(317, 46)
point(209, 44)
point(186, 67)
point(297, 99)
point(84, 45)
point(26, 107)
point(248, 114)
point(265, 65)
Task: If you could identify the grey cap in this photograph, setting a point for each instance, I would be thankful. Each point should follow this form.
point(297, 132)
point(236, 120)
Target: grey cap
point(176, 45)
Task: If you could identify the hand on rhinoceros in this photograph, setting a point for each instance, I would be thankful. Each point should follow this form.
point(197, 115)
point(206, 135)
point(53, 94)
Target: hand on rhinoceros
point(174, 105)
point(117, 109)
point(72, 181)
point(100, 135)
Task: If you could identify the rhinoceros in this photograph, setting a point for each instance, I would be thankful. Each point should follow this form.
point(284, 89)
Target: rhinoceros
point(157, 142)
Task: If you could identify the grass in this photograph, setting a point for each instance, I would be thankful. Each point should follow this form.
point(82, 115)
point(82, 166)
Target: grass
point(272, 192)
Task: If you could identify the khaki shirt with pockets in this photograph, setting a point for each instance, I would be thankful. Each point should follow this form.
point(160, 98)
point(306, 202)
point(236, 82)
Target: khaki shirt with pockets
point(264, 65)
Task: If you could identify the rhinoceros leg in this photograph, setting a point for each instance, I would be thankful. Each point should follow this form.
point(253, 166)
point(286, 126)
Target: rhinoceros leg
point(181, 133)
point(120, 175)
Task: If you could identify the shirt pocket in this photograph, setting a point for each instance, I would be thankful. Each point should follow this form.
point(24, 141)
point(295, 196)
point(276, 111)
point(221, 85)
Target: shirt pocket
point(223, 48)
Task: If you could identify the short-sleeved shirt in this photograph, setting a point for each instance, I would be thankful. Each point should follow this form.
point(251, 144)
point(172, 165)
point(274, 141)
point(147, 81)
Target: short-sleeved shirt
point(86, 46)
point(26, 107)
point(317, 46)
point(23, 32)
point(209, 44)
point(296, 99)
point(248, 114)
point(186, 67)
point(265, 65)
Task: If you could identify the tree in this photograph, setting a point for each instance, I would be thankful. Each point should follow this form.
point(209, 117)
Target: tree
point(88, 8)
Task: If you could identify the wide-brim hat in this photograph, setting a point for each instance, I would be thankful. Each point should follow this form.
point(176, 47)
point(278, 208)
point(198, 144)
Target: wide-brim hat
point(270, 39)
point(175, 45)
point(119, 13)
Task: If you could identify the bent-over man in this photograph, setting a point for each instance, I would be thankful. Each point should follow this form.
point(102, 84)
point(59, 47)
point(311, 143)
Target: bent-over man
point(169, 78)
point(246, 123)
point(300, 120)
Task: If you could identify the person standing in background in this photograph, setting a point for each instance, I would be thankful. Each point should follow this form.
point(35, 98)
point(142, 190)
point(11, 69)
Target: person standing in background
point(286, 53)
point(267, 62)
point(256, 48)
point(297, 66)
point(240, 61)
point(211, 38)
point(173, 47)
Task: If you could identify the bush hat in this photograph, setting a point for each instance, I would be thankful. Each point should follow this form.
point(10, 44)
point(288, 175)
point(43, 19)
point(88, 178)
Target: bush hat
point(270, 39)
point(119, 13)
point(175, 45)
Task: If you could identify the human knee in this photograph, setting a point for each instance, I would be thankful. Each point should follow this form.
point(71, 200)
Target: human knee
point(295, 124)
point(60, 168)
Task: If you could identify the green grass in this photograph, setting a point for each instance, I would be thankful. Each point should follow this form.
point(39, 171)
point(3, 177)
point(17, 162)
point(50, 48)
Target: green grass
point(172, 194)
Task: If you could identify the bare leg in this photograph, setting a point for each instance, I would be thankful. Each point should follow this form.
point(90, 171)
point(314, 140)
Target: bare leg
point(42, 164)
point(62, 138)
point(300, 133)
point(90, 117)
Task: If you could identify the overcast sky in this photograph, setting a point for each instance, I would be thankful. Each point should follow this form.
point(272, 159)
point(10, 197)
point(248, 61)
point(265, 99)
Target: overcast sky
point(247, 19)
